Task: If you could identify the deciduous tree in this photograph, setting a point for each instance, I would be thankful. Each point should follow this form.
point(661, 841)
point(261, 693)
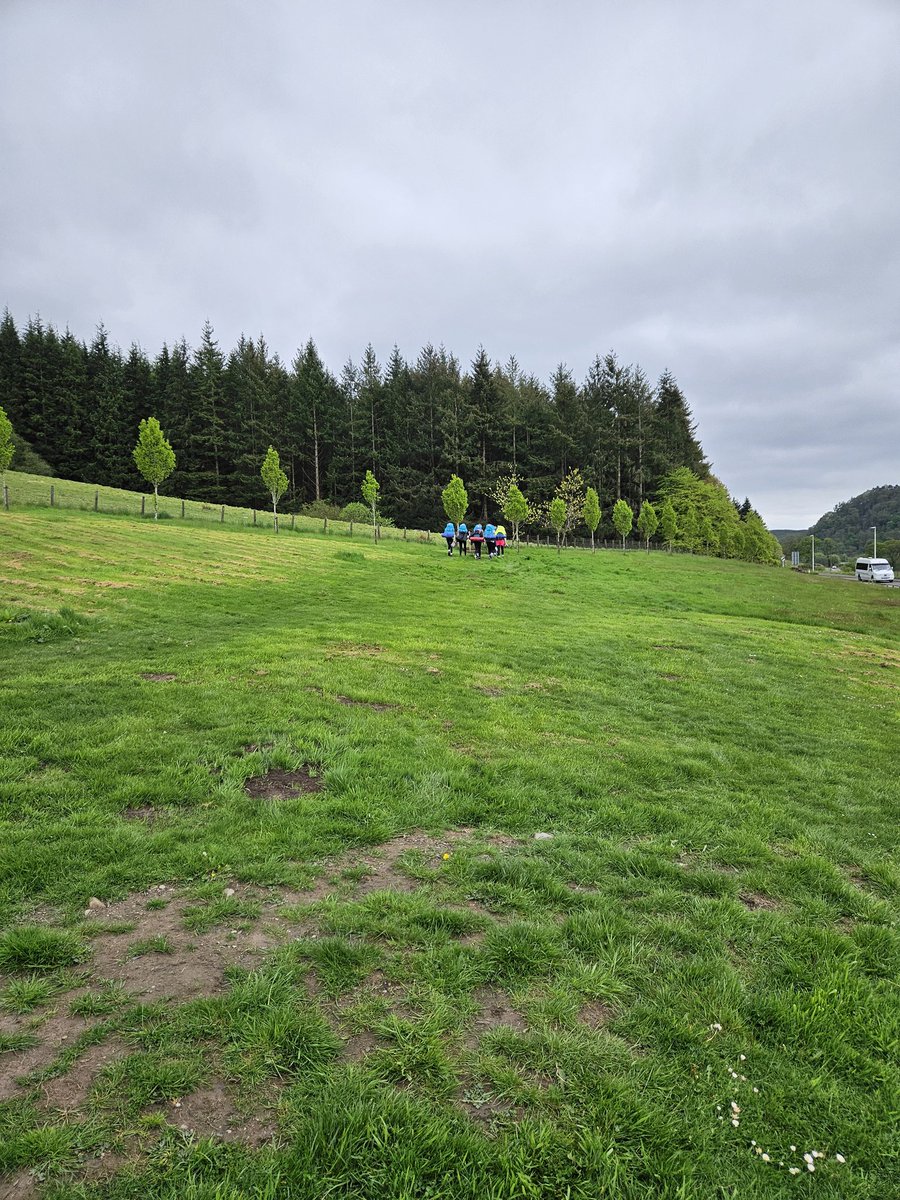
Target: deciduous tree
point(7, 445)
point(592, 512)
point(370, 489)
point(275, 480)
point(455, 499)
point(557, 514)
point(153, 457)
point(648, 522)
point(623, 519)
point(668, 524)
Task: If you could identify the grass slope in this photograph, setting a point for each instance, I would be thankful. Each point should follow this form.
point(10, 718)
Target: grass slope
point(713, 923)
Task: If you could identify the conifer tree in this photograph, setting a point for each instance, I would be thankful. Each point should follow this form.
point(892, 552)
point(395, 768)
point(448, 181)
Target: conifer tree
point(592, 513)
point(153, 457)
point(623, 519)
point(275, 480)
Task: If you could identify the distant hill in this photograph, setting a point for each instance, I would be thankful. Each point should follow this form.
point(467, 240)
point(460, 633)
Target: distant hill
point(850, 523)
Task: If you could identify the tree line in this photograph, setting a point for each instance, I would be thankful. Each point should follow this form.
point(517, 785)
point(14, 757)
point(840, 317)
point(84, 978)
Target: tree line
point(78, 406)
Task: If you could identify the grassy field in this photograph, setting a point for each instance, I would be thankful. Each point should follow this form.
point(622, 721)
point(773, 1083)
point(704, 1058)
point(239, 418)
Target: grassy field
point(277, 921)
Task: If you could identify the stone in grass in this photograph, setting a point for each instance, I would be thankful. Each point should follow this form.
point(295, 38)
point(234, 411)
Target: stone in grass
point(94, 906)
point(543, 837)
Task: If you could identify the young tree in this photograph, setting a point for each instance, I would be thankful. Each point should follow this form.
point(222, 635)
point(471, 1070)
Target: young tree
point(571, 491)
point(370, 489)
point(592, 513)
point(689, 528)
point(668, 524)
point(558, 517)
point(153, 457)
point(275, 480)
point(648, 522)
point(516, 509)
point(455, 500)
point(7, 445)
point(623, 519)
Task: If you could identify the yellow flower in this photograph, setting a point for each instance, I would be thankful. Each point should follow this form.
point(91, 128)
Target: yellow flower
point(445, 857)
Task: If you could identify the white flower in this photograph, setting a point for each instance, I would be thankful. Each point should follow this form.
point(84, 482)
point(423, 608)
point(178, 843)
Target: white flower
point(839, 1158)
point(743, 1058)
point(794, 1170)
point(807, 1158)
point(766, 1158)
point(794, 1149)
point(811, 1166)
point(756, 1091)
point(735, 1122)
point(736, 1108)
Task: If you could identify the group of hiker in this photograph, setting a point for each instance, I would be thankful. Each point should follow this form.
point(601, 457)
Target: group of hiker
point(492, 536)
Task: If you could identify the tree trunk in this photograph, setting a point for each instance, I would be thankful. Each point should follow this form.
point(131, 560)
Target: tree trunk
point(275, 514)
point(155, 503)
point(592, 542)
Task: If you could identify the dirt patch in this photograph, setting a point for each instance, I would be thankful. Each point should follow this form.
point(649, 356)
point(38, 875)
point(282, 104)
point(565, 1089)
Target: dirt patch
point(490, 691)
point(671, 678)
point(145, 813)
point(283, 785)
point(69, 1091)
point(54, 1034)
point(17, 1187)
point(483, 1109)
point(359, 1045)
point(375, 705)
point(595, 1014)
point(158, 676)
point(755, 900)
point(253, 747)
point(354, 650)
point(495, 1010)
point(211, 1112)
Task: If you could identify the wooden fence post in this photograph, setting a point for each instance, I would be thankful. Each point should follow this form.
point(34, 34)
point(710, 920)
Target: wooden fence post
point(143, 502)
point(52, 494)
point(293, 519)
point(96, 500)
point(182, 510)
point(254, 516)
point(5, 496)
point(351, 529)
point(324, 524)
point(222, 520)
point(404, 535)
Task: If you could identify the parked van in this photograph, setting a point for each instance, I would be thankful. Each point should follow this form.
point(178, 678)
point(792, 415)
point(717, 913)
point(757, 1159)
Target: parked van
point(874, 570)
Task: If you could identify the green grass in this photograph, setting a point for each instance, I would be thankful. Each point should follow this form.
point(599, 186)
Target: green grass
point(712, 745)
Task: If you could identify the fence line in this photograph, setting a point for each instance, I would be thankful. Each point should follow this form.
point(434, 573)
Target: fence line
point(119, 502)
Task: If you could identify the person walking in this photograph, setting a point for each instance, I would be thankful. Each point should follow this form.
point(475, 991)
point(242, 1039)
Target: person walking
point(477, 540)
point(490, 539)
point(462, 539)
point(501, 540)
point(449, 535)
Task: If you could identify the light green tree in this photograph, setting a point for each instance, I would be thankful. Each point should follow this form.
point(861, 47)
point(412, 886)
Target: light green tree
point(516, 509)
point(7, 445)
point(592, 512)
point(511, 501)
point(688, 528)
point(455, 499)
point(557, 513)
point(668, 524)
point(275, 480)
point(154, 457)
point(370, 489)
point(706, 531)
point(623, 519)
point(571, 491)
point(648, 522)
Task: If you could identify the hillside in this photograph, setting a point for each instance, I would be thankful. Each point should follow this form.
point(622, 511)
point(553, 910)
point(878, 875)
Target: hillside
point(850, 523)
point(354, 865)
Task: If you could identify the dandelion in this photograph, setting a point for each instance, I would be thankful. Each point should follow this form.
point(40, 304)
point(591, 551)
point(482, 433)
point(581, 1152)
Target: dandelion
point(445, 857)
point(807, 1158)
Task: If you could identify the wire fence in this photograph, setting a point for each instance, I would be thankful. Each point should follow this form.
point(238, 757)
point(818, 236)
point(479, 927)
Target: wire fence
point(40, 491)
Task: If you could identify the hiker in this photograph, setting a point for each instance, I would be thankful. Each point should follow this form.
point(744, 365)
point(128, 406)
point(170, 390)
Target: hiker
point(490, 538)
point(501, 540)
point(462, 539)
point(477, 540)
point(449, 535)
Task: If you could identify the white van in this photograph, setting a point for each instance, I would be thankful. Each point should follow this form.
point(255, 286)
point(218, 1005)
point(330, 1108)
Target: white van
point(874, 570)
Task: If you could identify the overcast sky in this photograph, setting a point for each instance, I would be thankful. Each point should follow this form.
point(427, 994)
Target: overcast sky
point(705, 186)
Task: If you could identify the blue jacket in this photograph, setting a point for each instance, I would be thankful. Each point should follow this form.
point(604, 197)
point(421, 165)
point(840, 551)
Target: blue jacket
point(490, 532)
point(463, 528)
point(449, 530)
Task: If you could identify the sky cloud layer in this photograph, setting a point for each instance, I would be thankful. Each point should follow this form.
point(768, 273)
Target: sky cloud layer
point(705, 187)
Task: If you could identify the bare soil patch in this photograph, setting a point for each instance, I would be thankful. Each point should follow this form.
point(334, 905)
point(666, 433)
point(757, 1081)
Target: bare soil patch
point(283, 785)
point(754, 900)
point(375, 705)
point(212, 1112)
point(69, 1091)
point(158, 676)
point(146, 812)
point(495, 1011)
point(355, 650)
point(595, 1014)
